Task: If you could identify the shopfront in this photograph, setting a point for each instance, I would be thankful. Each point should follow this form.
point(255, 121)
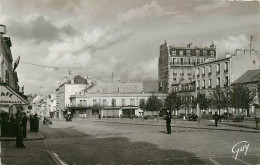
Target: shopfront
point(10, 103)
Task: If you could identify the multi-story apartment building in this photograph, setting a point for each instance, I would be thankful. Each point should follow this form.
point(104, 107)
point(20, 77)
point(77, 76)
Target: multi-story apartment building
point(176, 64)
point(65, 90)
point(223, 72)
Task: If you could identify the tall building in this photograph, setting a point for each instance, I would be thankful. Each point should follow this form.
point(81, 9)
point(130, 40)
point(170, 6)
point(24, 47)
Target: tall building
point(176, 64)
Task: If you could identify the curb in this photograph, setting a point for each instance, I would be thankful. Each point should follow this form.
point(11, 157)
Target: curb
point(222, 129)
point(24, 139)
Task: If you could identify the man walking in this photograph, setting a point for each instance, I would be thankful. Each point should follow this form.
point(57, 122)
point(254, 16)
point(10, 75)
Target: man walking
point(216, 117)
point(168, 122)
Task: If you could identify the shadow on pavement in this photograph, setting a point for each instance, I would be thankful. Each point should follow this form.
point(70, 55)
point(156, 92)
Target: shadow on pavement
point(75, 147)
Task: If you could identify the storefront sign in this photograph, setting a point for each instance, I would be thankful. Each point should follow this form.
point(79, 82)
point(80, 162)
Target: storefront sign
point(10, 97)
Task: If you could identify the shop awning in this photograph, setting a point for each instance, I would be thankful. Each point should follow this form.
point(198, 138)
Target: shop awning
point(8, 98)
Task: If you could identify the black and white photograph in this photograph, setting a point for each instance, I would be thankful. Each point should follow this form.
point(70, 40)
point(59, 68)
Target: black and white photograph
point(129, 82)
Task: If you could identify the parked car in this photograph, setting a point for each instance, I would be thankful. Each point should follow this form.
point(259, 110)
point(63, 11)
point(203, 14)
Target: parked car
point(192, 117)
point(47, 120)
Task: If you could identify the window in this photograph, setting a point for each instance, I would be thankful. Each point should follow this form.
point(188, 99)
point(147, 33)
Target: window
point(198, 61)
point(197, 52)
point(210, 83)
point(84, 102)
point(198, 82)
point(189, 60)
point(123, 102)
point(212, 53)
point(80, 101)
point(226, 66)
point(132, 102)
point(204, 52)
point(202, 60)
point(203, 70)
point(174, 52)
point(94, 102)
point(104, 102)
point(218, 82)
point(188, 52)
point(181, 61)
point(181, 52)
point(226, 81)
point(210, 69)
point(113, 102)
point(218, 67)
point(203, 84)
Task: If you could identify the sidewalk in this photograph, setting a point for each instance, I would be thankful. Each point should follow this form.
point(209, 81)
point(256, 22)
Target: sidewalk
point(204, 124)
point(35, 152)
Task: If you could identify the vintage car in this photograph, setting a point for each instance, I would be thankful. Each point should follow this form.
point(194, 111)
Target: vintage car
point(47, 120)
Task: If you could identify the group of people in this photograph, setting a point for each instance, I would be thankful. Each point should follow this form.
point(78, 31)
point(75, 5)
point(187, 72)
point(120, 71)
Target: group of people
point(34, 123)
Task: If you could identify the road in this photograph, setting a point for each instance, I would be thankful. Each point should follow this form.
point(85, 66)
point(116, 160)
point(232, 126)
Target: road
point(93, 142)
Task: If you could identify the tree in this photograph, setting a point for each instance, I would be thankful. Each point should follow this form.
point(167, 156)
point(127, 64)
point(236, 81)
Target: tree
point(204, 102)
point(142, 105)
point(218, 100)
point(96, 108)
point(173, 102)
point(153, 103)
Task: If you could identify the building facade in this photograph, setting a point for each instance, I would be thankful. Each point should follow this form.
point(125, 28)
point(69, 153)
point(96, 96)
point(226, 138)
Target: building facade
point(65, 90)
point(117, 99)
point(176, 64)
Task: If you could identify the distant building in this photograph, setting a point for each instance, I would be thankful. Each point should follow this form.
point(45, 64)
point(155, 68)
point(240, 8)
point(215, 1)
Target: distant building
point(116, 99)
point(65, 90)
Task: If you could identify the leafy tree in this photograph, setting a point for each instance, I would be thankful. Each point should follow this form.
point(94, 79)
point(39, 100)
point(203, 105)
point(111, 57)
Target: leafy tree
point(153, 103)
point(204, 102)
point(96, 108)
point(142, 104)
point(173, 102)
point(218, 100)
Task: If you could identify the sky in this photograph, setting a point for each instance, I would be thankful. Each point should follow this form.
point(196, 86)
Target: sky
point(94, 38)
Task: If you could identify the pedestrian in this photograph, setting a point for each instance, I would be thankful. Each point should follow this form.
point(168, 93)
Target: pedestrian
point(168, 122)
point(36, 123)
point(24, 125)
point(216, 117)
point(31, 123)
point(19, 135)
point(12, 126)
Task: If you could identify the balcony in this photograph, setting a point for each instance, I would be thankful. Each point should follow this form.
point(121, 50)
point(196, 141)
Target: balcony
point(180, 63)
point(218, 72)
point(209, 86)
point(182, 74)
point(203, 74)
point(189, 74)
point(210, 73)
point(174, 74)
point(203, 87)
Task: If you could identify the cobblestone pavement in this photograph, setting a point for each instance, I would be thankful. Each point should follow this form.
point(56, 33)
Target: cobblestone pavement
point(86, 142)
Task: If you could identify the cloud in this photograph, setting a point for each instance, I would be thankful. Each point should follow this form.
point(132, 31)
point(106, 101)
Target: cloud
point(76, 52)
point(148, 10)
point(211, 6)
point(230, 44)
point(37, 28)
point(55, 5)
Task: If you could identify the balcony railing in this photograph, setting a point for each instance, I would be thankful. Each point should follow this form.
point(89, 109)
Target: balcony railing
point(203, 87)
point(210, 73)
point(218, 72)
point(210, 86)
point(182, 74)
point(180, 63)
point(189, 74)
point(175, 74)
point(203, 74)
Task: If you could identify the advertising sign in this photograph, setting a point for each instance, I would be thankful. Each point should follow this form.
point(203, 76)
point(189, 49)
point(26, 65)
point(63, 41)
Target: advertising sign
point(9, 97)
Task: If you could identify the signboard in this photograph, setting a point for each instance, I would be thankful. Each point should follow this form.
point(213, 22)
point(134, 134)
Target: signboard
point(9, 97)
